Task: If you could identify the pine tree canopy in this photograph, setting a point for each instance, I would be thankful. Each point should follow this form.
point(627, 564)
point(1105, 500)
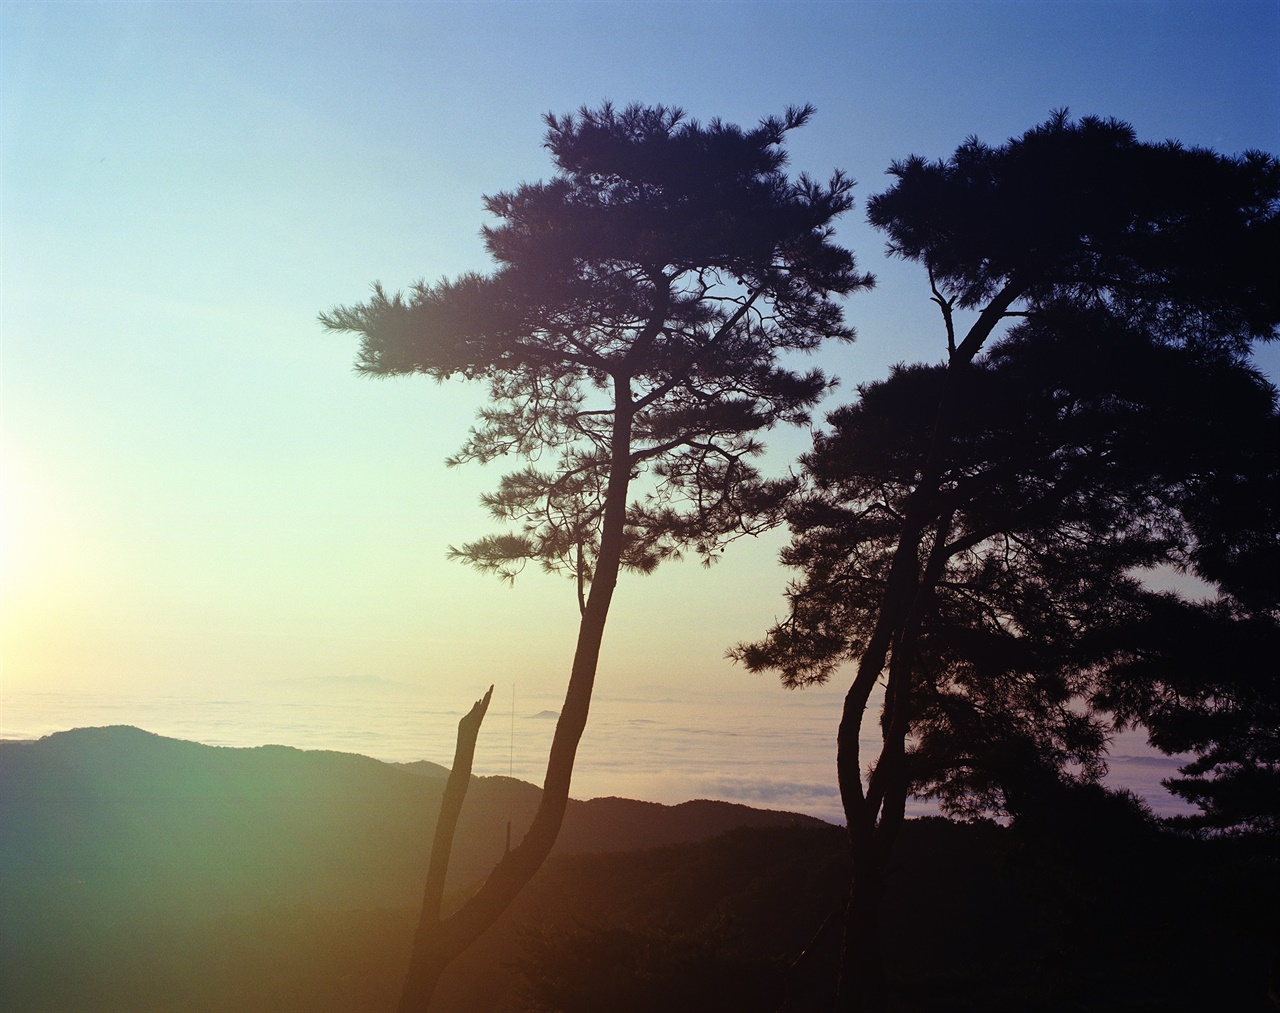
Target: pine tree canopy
point(640, 304)
point(978, 529)
point(1186, 238)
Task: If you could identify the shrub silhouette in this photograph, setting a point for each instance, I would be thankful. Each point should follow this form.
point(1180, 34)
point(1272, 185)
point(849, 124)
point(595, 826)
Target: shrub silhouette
point(628, 969)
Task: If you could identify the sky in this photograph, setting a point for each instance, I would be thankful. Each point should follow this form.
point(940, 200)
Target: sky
point(199, 492)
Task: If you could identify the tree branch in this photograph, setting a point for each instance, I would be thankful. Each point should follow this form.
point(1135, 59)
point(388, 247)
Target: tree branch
point(675, 381)
point(945, 305)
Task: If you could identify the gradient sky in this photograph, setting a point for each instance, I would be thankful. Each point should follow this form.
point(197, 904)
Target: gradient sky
point(198, 490)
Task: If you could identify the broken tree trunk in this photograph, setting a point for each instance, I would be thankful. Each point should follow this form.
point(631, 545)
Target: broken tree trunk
point(429, 923)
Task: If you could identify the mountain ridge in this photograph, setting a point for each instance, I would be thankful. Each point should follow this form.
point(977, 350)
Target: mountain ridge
point(123, 814)
point(140, 872)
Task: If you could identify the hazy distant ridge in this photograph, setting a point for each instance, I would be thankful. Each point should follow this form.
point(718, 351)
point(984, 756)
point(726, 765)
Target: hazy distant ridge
point(103, 817)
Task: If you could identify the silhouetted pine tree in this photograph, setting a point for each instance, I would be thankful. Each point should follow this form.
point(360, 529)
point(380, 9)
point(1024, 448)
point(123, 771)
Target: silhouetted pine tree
point(968, 523)
point(629, 338)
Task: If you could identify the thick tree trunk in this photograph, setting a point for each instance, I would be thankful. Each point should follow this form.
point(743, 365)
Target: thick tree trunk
point(863, 982)
point(862, 985)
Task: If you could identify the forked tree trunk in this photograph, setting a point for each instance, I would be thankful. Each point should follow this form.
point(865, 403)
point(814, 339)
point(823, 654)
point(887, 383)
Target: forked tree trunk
point(440, 941)
point(875, 814)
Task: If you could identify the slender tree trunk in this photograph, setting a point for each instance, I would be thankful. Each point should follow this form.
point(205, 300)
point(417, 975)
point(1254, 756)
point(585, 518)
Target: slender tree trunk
point(449, 937)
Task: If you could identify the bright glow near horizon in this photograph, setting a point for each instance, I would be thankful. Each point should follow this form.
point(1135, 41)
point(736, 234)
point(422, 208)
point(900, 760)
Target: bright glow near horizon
point(205, 494)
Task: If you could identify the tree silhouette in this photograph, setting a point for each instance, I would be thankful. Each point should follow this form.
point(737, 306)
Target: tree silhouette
point(969, 522)
point(1202, 676)
point(630, 334)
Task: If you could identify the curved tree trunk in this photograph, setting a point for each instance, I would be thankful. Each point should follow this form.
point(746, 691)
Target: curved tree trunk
point(440, 941)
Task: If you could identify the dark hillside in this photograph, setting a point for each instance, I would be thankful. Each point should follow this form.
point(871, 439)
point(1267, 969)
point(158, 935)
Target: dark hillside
point(141, 873)
point(114, 842)
point(990, 920)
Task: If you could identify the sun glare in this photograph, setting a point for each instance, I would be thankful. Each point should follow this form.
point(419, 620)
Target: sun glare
point(18, 521)
point(6, 523)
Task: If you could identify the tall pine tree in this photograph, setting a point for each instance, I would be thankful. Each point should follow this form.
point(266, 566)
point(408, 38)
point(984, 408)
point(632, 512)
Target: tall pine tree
point(969, 521)
point(630, 335)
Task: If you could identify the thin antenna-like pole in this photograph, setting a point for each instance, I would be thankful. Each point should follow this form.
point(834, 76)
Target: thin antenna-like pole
point(511, 753)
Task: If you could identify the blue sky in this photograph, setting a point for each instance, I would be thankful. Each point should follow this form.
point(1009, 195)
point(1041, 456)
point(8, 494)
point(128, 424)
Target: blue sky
point(199, 492)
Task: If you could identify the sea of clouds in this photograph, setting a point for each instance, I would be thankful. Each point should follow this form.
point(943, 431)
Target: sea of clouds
point(762, 747)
